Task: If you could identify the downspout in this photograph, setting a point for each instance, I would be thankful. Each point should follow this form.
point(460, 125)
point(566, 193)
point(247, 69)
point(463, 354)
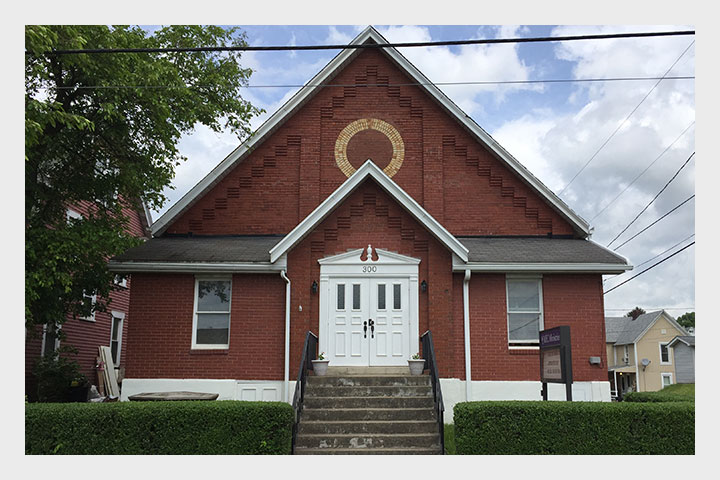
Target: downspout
point(637, 370)
point(287, 335)
point(466, 320)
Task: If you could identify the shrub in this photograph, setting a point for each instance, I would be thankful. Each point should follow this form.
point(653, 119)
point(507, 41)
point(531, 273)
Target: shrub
point(55, 373)
point(574, 428)
point(136, 428)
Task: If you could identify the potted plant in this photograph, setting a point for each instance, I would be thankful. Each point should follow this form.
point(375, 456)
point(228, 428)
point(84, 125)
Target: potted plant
point(417, 364)
point(320, 365)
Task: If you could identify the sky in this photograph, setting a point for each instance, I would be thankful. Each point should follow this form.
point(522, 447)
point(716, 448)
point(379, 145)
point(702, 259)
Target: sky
point(606, 148)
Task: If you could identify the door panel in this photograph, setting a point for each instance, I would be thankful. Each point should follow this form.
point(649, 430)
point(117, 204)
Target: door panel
point(349, 310)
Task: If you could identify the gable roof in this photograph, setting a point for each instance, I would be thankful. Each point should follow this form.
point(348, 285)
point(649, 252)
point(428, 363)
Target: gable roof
point(326, 74)
point(688, 340)
point(625, 330)
point(368, 171)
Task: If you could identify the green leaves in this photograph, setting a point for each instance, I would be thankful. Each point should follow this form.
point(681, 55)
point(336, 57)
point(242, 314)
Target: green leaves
point(101, 131)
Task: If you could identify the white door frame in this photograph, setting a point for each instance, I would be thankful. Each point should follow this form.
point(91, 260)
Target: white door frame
point(388, 265)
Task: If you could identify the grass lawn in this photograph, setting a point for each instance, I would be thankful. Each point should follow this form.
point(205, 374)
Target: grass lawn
point(450, 439)
point(681, 390)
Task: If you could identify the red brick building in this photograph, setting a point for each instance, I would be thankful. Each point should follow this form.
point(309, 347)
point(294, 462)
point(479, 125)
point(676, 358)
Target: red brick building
point(369, 199)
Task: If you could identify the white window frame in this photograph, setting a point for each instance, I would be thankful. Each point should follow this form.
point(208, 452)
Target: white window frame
point(72, 214)
point(660, 345)
point(120, 316)
point(206, 346)
point(91, 318)
point(121, 281)
point(44, 340)
point(541, 319)
point(668, 375)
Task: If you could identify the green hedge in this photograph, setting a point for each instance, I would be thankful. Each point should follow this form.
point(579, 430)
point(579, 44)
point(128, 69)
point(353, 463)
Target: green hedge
point(136, 428)
point(574, 428)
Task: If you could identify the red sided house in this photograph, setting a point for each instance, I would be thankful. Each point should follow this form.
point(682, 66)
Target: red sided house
point(368, 199)
point(99, 329)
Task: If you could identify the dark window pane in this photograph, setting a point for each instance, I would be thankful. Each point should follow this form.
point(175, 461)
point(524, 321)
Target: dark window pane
point(212, 328)
point(114, 351)
point(356, 297)
point(397, 300)
point(381, 296)
point(341, 296)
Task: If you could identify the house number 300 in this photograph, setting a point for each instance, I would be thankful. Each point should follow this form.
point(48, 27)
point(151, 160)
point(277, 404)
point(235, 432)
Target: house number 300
point(369, 268)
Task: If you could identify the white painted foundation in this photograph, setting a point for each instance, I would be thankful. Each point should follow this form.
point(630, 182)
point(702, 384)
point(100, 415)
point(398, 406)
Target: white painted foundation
point(251, 390)
point(453, 390)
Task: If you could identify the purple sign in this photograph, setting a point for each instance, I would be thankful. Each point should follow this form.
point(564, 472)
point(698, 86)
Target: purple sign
point(550, 338)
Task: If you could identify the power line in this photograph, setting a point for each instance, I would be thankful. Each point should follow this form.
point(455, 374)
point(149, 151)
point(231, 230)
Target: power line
point(481, 82)
point(664, 252)
point(626, 118)
point(650, 308)
point(651, 201)
point(643, 172)
point(247, 48)
point(653, 223)
point(649, 268)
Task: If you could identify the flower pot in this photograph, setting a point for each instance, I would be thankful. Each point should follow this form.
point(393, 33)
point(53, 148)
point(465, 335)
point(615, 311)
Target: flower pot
point(416, 366)
point(320, 366)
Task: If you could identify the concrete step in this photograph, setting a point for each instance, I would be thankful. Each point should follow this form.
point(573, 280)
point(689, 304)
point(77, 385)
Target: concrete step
point(367, 414)
point(369, 391)
point(368, 441)
point(368, 402)
point(368, 451)
point(336, 371)
point(368, 427)
point(368, 380)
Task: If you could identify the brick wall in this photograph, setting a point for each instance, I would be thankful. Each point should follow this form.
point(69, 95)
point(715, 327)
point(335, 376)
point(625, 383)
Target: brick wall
point(568, 299)
point(456, 179)
point(160, 338)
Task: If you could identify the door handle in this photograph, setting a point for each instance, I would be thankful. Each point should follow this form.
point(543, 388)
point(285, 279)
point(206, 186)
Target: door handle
point(372, 328)
point(364, 329)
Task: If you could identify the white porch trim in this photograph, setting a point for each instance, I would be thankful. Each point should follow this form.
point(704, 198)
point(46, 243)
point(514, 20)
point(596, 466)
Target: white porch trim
point(368, 170)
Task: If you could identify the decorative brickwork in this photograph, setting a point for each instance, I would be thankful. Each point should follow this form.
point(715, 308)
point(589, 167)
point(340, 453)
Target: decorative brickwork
point(369, 124)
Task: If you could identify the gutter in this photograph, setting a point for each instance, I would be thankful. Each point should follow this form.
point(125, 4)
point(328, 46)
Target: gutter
point(287, 335)
point(466, 321)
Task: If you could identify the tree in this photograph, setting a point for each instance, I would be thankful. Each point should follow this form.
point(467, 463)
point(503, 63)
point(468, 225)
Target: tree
point(687, 320)
point(635, 312)
point(102, 130)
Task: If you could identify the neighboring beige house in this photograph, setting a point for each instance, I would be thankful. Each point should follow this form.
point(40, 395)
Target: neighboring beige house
point(637, 351)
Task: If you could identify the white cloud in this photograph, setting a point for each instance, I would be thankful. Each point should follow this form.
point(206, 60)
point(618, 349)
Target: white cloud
point(465, 64)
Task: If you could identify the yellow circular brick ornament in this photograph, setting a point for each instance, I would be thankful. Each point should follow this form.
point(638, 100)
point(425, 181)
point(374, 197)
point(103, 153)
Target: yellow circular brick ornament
point(369, 124)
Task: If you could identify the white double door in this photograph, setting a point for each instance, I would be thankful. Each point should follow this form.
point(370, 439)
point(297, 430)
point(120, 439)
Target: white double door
point(369, 321)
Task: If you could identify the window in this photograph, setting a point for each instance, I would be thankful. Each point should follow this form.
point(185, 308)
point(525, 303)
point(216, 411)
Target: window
point(666, 379)
point(524, 311)
point(89, 299)
point(626, 354)
point(121, 281)
point(211, 324)
point(356, 296)
point(381, 296)
point(664, 354)
point(341, 296)
point(116, 336)
point(50, 339)
point(397, 296)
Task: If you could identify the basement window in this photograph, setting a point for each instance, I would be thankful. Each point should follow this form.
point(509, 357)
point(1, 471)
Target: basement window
point(211, 321)
point(524, 311)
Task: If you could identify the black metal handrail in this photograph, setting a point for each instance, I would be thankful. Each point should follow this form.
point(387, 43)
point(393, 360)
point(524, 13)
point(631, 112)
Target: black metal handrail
point(309, 352)
point(428, 353)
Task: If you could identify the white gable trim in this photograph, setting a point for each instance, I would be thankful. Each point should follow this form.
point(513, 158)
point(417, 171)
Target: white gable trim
point(369, 34)
point(369, 169)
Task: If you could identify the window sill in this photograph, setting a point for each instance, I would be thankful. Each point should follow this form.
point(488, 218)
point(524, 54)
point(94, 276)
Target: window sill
point(524, 350)
point(209, 351)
